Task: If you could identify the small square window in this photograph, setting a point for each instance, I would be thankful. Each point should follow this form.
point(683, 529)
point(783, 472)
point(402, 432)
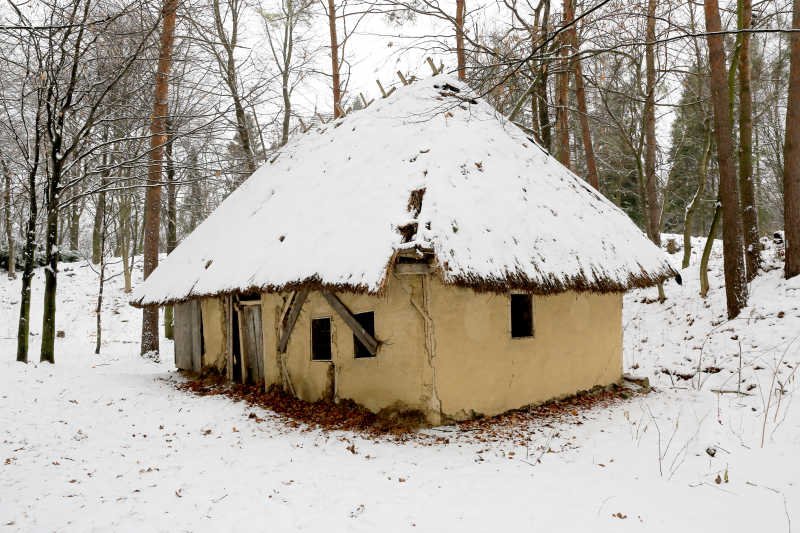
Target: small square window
point(367, 321)
point(521, 315)
point(321, 339)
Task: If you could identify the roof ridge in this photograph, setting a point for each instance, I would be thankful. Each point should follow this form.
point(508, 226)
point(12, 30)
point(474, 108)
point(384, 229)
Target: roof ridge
point(385, 94)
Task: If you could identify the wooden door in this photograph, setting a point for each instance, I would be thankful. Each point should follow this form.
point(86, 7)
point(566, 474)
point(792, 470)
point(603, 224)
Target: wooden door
point(251, 342)
point(188, 330)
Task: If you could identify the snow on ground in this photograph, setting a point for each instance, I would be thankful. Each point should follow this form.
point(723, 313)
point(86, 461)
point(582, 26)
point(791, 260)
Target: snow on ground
point(107, 443)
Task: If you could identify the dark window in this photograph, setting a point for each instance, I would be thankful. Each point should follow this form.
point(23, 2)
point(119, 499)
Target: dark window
point(367, 321)
point(321, 339)
point(521, 315)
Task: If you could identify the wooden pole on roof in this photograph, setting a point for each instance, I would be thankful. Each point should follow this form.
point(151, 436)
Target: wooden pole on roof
point(383, 92)
point(433, 66)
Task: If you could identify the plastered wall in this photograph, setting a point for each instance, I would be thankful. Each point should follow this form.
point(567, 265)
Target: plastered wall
point(472, 366)
point(393, 379)
point(577, 344)
point(215, 342)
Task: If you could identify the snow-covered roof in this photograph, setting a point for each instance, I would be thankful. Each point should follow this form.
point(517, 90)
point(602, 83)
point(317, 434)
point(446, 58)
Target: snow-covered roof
point(336, 205)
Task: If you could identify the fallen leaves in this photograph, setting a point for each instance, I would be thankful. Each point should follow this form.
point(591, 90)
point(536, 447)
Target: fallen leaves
point(346, 415)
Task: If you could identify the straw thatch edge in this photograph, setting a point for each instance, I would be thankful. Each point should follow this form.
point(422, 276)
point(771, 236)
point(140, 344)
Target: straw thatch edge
point(511, 282)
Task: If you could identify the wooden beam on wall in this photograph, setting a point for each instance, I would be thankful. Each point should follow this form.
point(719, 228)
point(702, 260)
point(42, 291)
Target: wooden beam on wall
point(291, 319)
point(358, 330)
point(412, 269)
point(229, 331)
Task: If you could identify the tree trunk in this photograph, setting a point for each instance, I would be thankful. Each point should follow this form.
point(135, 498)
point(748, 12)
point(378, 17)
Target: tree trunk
point(586, 133)
point(746, 188)
point(712, 234)
point(651, 188)
point(47, 352)
point(99, 308)
point(460, 56)
point(691, 209)
point(24, 326)
point(562, 93)
point(125, 238)
point(75, 225)
point(791, 156)
point(544, 115)
point(153, 194)
point(287, 107)
point(735, 280)
point(583, 114)
point(7, 216)
point(172, 228)
point(232, 81)
point(288, 49)
point(541, 93)
point(337, 88)
point(99, 211)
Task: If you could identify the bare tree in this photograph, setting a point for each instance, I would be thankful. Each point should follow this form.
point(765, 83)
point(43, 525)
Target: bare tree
point(583, 113)
point(746, 185)
point(460, 54)
point(153, 194)
point(651, 148)
point(562, 90)
point(7, 218)
point(735, 281)
point(791, 173)
point(335, 64)
point(229, 14)
point(281, 32)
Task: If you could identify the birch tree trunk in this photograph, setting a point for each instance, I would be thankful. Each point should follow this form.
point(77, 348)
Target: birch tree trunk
point(735, 280)
point(746, 188)
point(153, 193)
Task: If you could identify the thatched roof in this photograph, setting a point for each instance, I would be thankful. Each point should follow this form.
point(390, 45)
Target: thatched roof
point(430, 168)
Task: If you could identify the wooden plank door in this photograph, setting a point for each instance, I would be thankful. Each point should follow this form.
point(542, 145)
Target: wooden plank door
point(197, 335)
point(188, 330)
point(252, 342)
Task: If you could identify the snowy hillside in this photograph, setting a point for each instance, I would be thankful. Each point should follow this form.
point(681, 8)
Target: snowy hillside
point(107, 443)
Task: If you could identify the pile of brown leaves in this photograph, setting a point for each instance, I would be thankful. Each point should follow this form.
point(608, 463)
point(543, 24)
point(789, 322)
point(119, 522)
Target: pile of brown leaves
point(517, 425)
point(346, 415)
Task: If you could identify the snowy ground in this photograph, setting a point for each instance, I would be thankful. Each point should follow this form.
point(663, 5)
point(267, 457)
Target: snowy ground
point(107, 443)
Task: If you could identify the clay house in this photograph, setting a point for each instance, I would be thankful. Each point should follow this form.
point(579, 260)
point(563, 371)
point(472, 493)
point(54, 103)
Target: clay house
point(421, 254)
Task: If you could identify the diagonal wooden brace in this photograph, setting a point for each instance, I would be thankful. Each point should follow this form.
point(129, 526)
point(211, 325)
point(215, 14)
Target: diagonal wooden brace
point(358, 330)
point(291, 319)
